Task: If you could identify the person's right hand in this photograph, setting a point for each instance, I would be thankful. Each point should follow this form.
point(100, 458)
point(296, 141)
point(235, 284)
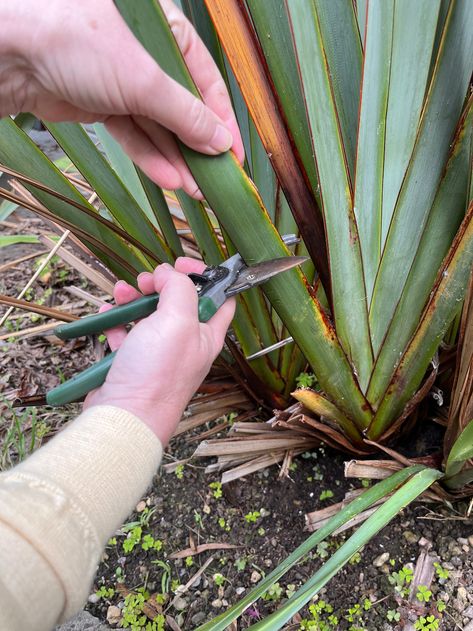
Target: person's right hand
point(79, 61)
point(166, 356)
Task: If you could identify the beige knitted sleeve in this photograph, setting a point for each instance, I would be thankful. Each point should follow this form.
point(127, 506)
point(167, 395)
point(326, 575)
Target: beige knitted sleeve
point(59, 507)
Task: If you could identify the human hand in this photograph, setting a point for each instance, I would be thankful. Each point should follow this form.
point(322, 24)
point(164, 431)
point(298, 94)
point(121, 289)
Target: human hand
point(165, 357)
point(80, 62)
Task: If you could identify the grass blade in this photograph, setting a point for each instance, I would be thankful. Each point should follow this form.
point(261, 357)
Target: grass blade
point(97, 171)
point(361, 503)
point(392, 507)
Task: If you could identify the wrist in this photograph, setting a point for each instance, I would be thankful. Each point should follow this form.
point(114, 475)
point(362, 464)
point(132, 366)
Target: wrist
point(161, 417)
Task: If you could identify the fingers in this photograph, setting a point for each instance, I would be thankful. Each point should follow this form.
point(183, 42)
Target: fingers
point(123, 293)
point(177, 294)
point(183, 264)
point(143, 152)
point(220, 322)
point(205, 72)
point(165, 141)
point(186, 265)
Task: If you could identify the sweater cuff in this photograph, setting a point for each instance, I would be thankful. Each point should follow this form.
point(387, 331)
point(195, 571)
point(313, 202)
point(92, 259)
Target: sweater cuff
point(73, 493)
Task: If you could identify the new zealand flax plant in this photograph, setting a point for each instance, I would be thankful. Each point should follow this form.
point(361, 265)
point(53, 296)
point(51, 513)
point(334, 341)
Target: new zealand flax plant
point(357, 123)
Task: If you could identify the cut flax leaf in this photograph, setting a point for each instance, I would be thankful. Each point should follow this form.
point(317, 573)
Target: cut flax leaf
point(80, 266)
point(203, 547)
point(48, 312)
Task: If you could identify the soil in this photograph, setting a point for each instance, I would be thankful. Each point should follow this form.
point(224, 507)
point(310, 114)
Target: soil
point(184, 509)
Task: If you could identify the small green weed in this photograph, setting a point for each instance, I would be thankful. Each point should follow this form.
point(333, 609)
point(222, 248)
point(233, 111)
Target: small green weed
point(105, 592)
point(356, 558)
point(223, 524)
point(150, 543)
point(393, 615)
point(401, 580)
point(133, 539)
point(423, 594)
point(441, 572)
point(189, 561)
point(179, 471)
point(133, 616)
point(325, 495)
point(427, 623)
point(252, 517)
point(274, 593)
point(305, 380)
point(219, 579)
point(217, 489)
point(240, 563)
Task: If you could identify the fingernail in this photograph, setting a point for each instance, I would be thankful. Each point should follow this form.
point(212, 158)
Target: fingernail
point(222, 139)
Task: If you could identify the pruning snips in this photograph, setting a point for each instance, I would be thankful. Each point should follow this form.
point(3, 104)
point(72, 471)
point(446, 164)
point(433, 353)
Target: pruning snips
point(214, 286)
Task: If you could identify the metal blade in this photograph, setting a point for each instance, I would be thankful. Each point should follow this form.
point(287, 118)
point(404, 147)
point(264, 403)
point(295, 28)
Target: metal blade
point(261, 272)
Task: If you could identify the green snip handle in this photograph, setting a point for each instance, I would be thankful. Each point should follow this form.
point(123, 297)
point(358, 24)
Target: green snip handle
point(80, 385)
point(117, 316)
point(93, 377)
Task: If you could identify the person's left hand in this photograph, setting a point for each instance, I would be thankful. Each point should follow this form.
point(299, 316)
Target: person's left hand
point(166, 356)
point(79, 61)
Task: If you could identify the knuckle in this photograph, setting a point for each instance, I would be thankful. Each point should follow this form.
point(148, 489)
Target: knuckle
point(198, 120)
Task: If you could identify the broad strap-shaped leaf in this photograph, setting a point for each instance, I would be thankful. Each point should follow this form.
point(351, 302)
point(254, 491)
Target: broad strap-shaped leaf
point(413, 37)
point(382, 516)
point(444, 303)
point(348, 291)
point(371, 136)
point(361, 503)
point(361, 12)
point(442, 109)
point(124, 168)
point(444, 220)
point(162, 214)
point(243, 54)
point(321, 406)
point(342, 47)
point(19, 152)
point(398, 32)
point(109, 187)
point(148, 196)
point(461, 451)
point(272, 27)
point(239, 209)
